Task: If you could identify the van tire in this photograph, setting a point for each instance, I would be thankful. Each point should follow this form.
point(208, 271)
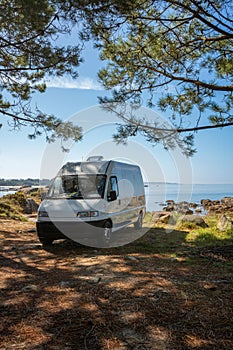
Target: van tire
point(45, 241)
point(107, 233)
point(138, 223)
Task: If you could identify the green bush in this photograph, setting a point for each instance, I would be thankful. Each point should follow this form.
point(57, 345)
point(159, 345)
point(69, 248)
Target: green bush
point(12, 206)
point(210, 235)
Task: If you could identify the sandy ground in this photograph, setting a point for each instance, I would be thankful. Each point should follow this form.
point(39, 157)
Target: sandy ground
point(156, 293)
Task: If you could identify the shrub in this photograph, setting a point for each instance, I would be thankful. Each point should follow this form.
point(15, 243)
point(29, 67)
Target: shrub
point(12, 206)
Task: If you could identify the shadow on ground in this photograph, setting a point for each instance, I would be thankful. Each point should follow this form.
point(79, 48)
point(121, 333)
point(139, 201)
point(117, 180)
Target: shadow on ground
point(155, 293)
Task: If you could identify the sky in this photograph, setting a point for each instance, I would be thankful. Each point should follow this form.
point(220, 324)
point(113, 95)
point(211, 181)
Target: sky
point(77, 101)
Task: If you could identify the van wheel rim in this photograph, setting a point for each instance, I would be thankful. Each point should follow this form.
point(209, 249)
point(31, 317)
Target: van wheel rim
point(107, 233)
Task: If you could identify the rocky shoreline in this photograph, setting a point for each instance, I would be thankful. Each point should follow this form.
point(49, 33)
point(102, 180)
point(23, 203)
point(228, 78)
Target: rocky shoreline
point(192, 213)
point(207, 206)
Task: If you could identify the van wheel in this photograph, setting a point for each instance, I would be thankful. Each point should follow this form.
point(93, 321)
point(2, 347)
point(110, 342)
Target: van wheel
point(45, 241)
point(138, 223)
point(107, 233)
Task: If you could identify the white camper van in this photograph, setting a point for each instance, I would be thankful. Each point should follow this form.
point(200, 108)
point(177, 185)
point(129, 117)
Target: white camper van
point(92, 199)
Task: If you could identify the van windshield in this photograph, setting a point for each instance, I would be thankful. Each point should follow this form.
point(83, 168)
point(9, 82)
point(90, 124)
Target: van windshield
point(85, 186)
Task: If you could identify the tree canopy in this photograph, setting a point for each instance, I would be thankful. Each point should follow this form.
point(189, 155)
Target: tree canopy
point(174, 55)
point(28, 54)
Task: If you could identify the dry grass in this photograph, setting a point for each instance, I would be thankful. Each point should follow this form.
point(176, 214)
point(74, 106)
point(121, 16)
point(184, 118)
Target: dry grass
point(170, 296)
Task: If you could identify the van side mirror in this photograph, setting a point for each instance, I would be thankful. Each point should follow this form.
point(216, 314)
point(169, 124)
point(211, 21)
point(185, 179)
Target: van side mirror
point(112, 196)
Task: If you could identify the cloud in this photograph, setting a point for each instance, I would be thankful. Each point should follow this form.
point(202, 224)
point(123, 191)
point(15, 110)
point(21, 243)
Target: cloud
point(68, 83)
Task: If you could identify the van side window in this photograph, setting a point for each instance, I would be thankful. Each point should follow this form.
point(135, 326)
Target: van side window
point(112, 186)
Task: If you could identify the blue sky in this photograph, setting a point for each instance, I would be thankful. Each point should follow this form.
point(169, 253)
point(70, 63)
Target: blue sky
point(23, 158)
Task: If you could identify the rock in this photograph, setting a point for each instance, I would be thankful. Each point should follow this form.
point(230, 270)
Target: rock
point(181, 207)
point(218, 207)
point(193, 205)
point(210, 286)
point(225, 223)
point(157, 214)
point(170, 201)
point(31, 190)
point(186, 211)
point(184, 203)
point(195, 219)
point(206, 203)
point(167, 219)
point(31, 206)
point(94, 280)
point(31, 287)
point(189, 212)
point(215, 202)
point(211, 206)
point(129, 257)
point(227, 200)
point(163, 217)
point(169, 208)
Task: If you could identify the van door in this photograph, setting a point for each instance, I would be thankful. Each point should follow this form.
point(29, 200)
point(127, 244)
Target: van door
point(115, 207)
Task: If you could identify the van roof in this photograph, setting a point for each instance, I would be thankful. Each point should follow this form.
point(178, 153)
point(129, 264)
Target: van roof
point(91, 167)
point(96, 167)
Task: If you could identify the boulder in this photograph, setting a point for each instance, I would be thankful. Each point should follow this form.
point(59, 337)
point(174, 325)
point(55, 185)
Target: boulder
point(163, 217)
point(167, 219)
point(217, 209)
point(183, 208)
point(227, 201)
point(215, 202)
point(195, 219)
point(188, 212)
point(31, 190)
point(225, 223)
point(169, 208)
point(170, 201)
point(193, 205)
point(206, 203)
point(31, 206)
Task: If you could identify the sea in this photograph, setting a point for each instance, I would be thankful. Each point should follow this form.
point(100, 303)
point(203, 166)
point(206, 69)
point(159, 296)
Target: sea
point(158, 193)
point(3, 193)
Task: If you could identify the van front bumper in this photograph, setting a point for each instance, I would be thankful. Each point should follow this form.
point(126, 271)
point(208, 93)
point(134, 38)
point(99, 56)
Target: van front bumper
point(82, 232)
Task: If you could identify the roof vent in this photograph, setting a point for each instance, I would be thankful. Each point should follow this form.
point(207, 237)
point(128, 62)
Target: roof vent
point(95, 158)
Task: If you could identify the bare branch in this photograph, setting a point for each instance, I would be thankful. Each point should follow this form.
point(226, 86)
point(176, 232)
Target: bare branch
point(16, 117)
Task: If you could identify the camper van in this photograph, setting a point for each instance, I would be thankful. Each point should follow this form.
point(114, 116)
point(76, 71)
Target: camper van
point(90, 200)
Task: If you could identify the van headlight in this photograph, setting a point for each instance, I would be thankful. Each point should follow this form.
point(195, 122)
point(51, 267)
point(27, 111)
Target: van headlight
point(87, 214)
point(43, 214)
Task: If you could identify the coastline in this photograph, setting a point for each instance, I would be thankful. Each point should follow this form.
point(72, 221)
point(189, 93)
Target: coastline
point(158, 193)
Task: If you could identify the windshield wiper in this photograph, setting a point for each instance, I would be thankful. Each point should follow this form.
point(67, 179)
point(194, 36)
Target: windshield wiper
point(75, 196)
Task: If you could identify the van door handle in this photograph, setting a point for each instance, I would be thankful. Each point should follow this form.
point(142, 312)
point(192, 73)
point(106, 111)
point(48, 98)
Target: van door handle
point(119, 201)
